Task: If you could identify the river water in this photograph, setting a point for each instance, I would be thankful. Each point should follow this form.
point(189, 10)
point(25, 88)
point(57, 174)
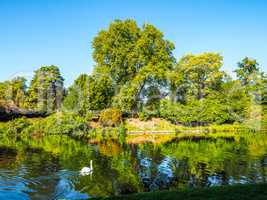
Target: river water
point(49, 167)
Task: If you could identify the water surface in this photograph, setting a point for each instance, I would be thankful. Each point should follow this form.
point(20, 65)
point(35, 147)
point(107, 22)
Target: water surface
point(49, 167)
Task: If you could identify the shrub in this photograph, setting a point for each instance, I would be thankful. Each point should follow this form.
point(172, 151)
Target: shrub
point(16, 126)
point(207, 111)
point(147, 115)
point(59, 124)
point(110, 117)
point(143, 116)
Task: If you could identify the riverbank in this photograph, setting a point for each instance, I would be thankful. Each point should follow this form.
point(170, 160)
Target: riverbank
point(237, 192)
point(83, 128)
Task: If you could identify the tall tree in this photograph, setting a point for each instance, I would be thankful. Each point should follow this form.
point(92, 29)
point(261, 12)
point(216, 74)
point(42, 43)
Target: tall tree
point(134, 58)
point(202, 72)
point(113, 51)
point(247, 69)
point(46, 89)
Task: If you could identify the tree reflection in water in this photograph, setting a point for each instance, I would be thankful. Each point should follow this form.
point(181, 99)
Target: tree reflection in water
point(49, 167)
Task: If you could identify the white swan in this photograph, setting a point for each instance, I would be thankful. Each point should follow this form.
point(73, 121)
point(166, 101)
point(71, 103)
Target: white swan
point(87, 170)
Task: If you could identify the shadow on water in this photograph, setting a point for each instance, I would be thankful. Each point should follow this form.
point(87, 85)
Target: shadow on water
point(201, 138)
point(7, 151)
point(7, 155)
point(49, 167)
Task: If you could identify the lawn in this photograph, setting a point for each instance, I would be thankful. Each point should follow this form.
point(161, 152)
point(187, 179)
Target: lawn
point(237, 192)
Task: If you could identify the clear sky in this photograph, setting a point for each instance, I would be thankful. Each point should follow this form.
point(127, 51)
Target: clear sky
point(59, 32)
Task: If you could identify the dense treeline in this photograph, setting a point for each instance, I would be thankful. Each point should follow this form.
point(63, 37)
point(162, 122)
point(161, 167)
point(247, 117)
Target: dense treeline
point(137, 73)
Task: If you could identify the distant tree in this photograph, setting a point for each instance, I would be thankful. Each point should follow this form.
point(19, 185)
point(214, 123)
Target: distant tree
point(46, 90)
point(253, 79)
point(246, 69)
point(229, 104)
point(3, 88)
point(14, 91)
point(76, 98)
point(201, 73)
point(18, 91)
point(263, 89)
point(89, 93)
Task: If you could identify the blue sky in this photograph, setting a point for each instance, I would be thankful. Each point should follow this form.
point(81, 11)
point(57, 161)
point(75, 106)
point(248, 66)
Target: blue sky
point(59, 32)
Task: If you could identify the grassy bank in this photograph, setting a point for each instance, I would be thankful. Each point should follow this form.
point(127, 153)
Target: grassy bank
point(82, 127)
point(158, 124)
point(237, 192)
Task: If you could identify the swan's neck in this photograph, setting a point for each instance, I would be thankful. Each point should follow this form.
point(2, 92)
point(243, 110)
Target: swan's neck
point(91, 164)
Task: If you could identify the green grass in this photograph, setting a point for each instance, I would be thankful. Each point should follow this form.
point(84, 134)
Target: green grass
point(237, 192)
point(159, 124)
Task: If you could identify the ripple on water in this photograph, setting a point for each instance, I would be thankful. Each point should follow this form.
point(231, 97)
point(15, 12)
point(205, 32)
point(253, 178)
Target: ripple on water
point(38, 174)
point(16, 184)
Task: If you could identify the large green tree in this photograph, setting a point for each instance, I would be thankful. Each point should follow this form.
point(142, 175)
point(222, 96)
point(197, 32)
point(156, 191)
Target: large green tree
point(46, 90)
point(114, 51)
point(135, 58)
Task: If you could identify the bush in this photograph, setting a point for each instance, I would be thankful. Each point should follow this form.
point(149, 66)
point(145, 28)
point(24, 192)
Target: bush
point(59, 124)
point(110, 117)
point(16, 126)
point(147, 115)
point(207, 111)
point(142, 116)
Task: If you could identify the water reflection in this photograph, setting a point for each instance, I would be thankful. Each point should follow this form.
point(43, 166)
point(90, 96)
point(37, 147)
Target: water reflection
point(48, 168)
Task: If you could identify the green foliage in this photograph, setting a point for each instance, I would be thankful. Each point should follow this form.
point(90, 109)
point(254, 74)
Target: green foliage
point(246, 68)
point(114, 50)
point(136, 72)
point(89, 93)
point(15, 127)
point(142, 116)
point(205, 94)
point(122, 133)
point(60, 124)
point(2, 91)
point(201, 73)
point(145, 114)
point(14, 91)
point(227, 106)
point(76, 98)
point(244, 192)
point(46, 90)
point(100, 93)
point(127, 99)
point(110, 117)
point(133, 57)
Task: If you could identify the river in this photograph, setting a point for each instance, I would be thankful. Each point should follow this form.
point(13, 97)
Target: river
point(49, 167)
